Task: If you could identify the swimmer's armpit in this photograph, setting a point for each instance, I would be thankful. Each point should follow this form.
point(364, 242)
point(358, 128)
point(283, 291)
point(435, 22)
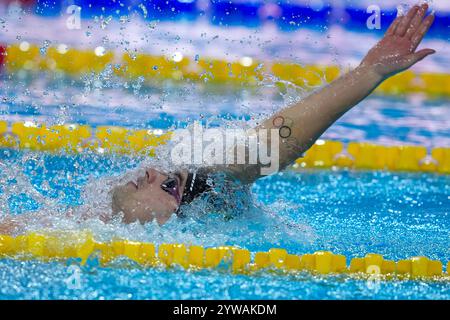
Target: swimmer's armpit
point(309, 118)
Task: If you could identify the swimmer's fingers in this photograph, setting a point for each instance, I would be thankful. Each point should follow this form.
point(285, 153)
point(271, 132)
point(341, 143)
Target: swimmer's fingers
point(413, 58)
point(416, 21)
point(406, 21)
point(391, 30)
point(422, 31)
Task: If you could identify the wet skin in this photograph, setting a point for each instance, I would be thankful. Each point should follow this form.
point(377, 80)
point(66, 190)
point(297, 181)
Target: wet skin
point(156, 195)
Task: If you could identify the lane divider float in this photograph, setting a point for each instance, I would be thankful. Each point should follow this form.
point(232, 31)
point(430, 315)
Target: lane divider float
point(27, 58)
point(71, 138)
point(82, 246)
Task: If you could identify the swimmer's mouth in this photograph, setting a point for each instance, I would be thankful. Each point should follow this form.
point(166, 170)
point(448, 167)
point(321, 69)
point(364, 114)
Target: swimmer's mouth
point(172, 186)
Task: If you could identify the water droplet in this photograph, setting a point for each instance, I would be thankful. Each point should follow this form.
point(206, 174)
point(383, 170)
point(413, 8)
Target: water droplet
point(44, 48)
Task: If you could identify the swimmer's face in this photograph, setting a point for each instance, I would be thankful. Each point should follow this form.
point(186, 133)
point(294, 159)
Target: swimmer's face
point(155, 195)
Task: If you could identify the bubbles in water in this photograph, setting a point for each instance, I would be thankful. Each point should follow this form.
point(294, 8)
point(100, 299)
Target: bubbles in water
point(403, 9)
point(104, 22)
point(44, 48)
point(144, 10)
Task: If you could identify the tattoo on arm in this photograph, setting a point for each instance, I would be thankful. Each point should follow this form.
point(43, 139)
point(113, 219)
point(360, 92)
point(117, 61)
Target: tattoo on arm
point(284, 126)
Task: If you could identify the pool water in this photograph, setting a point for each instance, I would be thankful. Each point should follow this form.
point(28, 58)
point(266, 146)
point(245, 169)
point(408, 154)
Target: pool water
point(398, 215)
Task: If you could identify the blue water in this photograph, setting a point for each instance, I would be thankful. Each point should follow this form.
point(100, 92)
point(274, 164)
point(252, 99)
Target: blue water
point(33, 280)
point(350, 213)
point(399, 215)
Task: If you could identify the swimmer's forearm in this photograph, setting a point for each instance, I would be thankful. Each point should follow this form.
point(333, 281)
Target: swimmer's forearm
point(309, 118)
point(298, 126)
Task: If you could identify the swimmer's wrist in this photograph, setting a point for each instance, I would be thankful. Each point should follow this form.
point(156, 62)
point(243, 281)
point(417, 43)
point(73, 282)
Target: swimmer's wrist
point(370, 73)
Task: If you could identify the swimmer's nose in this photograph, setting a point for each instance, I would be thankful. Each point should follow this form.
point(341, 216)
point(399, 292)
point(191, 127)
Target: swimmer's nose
point(151, 175)
point(141, 181)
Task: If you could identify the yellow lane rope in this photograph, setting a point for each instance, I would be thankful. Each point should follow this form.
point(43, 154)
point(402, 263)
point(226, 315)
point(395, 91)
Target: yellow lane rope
point(82, 246)
point(24, 57)
point(324, 154)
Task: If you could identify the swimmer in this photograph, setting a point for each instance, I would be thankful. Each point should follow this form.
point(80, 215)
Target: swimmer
point(158, 195)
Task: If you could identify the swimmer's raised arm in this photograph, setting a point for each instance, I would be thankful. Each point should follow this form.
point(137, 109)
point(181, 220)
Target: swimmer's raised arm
point(303, 123)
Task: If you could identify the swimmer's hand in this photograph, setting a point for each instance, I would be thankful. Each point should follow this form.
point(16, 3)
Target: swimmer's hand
point(397, 50)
